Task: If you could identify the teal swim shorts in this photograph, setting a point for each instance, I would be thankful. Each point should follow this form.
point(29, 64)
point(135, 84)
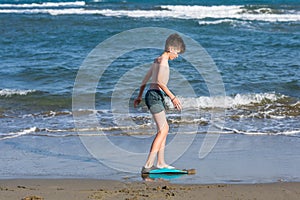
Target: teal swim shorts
point(155, 100)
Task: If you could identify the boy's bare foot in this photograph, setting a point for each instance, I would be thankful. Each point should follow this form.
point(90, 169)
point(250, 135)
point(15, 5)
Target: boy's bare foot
point(165, 166)
point(147, 170)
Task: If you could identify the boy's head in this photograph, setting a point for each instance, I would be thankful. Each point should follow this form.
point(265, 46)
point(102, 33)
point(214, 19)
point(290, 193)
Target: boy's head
point(175, 43)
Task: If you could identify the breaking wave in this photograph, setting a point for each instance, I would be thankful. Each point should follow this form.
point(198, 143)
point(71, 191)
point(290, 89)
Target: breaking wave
point(252, 13)
point(44, 5)
point(17, 134)
point(246, 109)
point(233, 101)
point(11, 92)
point(100, 131)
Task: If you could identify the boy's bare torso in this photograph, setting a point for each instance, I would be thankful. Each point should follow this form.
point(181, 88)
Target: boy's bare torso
point(160, 73)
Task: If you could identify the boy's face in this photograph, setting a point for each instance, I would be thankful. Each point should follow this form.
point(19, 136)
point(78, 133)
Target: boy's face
point(173, 54)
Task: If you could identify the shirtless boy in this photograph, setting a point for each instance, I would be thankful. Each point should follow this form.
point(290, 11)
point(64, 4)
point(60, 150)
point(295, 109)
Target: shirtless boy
point(159, 74)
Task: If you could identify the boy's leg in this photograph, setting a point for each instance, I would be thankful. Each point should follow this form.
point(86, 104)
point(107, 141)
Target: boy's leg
point(161, 155)
point(159, 141)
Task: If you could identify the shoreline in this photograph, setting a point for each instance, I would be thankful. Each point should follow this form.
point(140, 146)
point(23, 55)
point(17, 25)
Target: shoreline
point(81, 189)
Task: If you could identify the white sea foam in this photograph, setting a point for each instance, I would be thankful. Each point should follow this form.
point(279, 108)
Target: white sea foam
point(44, 5)
point(168, 11)
point(18, 134)
point(230, 12)
point(228, 101)
point(227, 130)
point(10, 92)
point(287, 133)
point(94, 132)
point(221, 21)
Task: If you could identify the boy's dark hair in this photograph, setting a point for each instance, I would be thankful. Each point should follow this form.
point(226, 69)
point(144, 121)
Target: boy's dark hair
point(176, 42)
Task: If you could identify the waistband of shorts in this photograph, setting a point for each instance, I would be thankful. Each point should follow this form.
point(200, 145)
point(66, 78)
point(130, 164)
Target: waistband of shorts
point(157, 90)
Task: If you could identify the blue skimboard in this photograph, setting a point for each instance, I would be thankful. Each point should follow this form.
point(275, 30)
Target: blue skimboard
point(172, 171)
point(164, 176)
point(167, 174)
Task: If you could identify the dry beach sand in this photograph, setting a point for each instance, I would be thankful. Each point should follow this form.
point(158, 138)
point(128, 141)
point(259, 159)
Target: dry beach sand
point(81, 189)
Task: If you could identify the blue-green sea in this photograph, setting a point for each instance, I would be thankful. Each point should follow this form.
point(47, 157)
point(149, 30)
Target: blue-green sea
point(254, 44)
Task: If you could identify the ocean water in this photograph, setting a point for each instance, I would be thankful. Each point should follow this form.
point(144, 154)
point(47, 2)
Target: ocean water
point(254, 44)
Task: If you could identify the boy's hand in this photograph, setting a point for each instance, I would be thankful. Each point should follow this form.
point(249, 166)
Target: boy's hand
point(177, 104)
point(137, 101)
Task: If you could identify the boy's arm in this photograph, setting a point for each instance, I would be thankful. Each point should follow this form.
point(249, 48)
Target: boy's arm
point(144, 82)
point(143, 85)
point(175, 101)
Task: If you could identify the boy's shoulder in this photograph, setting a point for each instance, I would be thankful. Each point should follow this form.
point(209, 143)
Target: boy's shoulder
point(160, 60)
point(157, 60)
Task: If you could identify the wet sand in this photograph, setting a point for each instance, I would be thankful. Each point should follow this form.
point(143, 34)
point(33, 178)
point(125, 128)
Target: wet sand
point(81, 189)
